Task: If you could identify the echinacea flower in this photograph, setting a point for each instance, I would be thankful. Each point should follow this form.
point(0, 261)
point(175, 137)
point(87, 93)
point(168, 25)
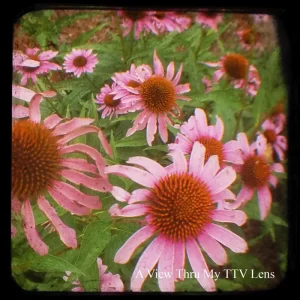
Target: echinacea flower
point(278, 115)
point(108, 281)
point(256, 173)
point(271, 133)
point(137, 20)
point(237, 68)
point(156, 95)
point(80, 61)
point(209, 19)
point(23, 60)
point(179, 209)
point(166, 21)
point(40, 167)
point(44, 65)
point(108, 104)
point(249, 38)
point(195, 129)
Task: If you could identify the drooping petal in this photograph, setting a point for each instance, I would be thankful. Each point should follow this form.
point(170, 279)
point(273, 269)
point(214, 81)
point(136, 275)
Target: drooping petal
point(104, 142)
point(71, 125)
point(179, 260)
point(125, 252)
point(120, 194)
point(213, 249)
point(222, 180)
point(34, 108)
point(273, 180)
point(277, 167)
point(199, 265)
point(162, 128)
point(244, 195)
point(166, 266)
point(131, 210)
point(265, 201)
point(51, 121)
point(78, 132)
point(178, 75)
point(224, 195)
point(150, 165)
point(139, 195)
point(261, 144)
point(146, 263)
point(227, 238)
point(211, 168)
point(67, 234)
point(30, 231)
point(179, 161)
point(158, 66)
point(22, 93)
point(170, 70)
point(237, 217)
point(79, 165)
point(111, 283)
point(244, 144)
point(196, 162)
point(139, 176)
point(20, 111)
point(151, 129)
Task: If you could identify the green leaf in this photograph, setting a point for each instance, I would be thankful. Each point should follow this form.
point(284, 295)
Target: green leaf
point(95, 238)
point(163, 148)
point(83, 38)
point(228, 285)
point(137, 139)
point(52, 263)
point(113, 146)
point(42, 39)
point(91, 282)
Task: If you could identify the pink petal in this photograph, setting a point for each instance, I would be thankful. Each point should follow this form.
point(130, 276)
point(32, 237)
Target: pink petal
point(46, 55)
point(34, 108)
point(222, 180)
point(96, 184)
point(104, 142)
point(179, 260)
point(139, 176)
point(158, 66)
point(79, 165)
point(211, 168)
point(261, 144)
point(279, 152)
point(213, 249)
point(231, 146)
point(67, 203)
point(277, 168)
point(244, 144)
point(74, 194)
point(178, 75)
point(15, 204)
point(219, 129)
point(273, 180)
point(13, 231)
point(162, 128)
point(93, 153)
point(78, 132)
point(150, 165)
point(217, 75)
point(125, 252)
point(132, 210)
point(111, 283)
point(265, 201)
point(234, 157)
point(237, 217)
point(170, 70)
point(67, 234)
point(139, 195)
point(182, 88)
point(199, 265)
point(244, 195)
point(179, 161)
point(71, 125)
point(166, 267)
point(22, 93)
point(201, 121)
point(225, 194)
point(120, 194)
point(30, 232)
point(78, 289)
point(227, 238)
point(146, 263)
point(282, 142)
point(196, 163)
point(151, 129)
point(211, 64)
point(51, 121)
point(19, 111)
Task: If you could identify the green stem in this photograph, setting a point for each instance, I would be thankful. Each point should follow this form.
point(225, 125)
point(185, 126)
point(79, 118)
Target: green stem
point(122, 39)
point(220, 43)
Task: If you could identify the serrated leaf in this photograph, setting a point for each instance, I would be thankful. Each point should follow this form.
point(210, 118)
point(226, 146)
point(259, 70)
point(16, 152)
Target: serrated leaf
point(135, 140)
point(91, 282)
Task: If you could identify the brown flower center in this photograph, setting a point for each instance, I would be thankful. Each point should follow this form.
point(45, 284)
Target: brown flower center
point(35, 159)
point(181, 206)
point(255, 172)
point(158, 94)
point(270, 135)
point(236, 65)
point(160, 14)
point(79, 61)
point(133, 84)
point(212, 147)
point(210, 14)
point(134, 15)
point(109, 101)
point(248, 36)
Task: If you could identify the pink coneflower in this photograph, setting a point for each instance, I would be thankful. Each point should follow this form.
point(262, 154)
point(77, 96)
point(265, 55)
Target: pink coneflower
point(207, 83)
point(80, 61)
point(256, 173)
point(44, 65)
point(249, 38)
point(271, 133)
point(196, 130)
point(166, 21)
point(108, 281)
point(22, 60)
point(237, 68)
point(139, 21)
point(20, 111)
point(179, 210)
point(278, 115)
point(109, 105)
point(209, 19)
point(40, 166)
point(156, 94)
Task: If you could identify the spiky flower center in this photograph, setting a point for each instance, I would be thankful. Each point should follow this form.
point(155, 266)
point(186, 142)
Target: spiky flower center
point(236, 65)
point(270, 135)
point(212, 147)
point(35, 159)
point(134, 15)
point(79, 61)
point(249, 36)
point(180, 206)
point(109, 101)
point(133, 84)
point(158, 94)
point(255, 171)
